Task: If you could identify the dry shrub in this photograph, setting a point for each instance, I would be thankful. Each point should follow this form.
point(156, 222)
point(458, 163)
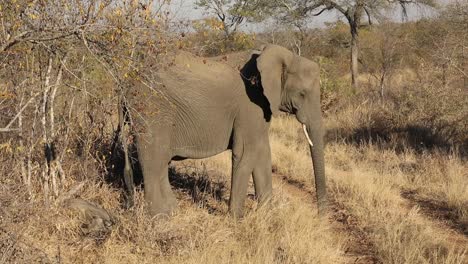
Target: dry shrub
point(209, 39)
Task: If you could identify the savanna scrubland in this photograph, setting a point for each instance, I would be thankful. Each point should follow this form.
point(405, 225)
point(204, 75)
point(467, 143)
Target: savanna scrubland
point(396, 155)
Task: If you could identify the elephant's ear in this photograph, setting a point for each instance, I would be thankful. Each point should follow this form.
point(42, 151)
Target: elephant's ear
point(272, 64)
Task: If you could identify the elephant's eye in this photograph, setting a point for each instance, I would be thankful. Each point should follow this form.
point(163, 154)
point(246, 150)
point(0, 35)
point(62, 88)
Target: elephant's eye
point(302, 94)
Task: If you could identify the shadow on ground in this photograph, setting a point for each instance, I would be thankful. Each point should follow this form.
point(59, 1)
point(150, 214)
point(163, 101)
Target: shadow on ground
point(437, 210)
point(417, 138)
point(202, 188)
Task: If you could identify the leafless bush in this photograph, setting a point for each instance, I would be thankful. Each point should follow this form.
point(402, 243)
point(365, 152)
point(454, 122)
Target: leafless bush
point(63, 66)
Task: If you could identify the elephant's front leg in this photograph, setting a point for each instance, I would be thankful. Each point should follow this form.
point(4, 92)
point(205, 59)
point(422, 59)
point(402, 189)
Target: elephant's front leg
point(262, 173)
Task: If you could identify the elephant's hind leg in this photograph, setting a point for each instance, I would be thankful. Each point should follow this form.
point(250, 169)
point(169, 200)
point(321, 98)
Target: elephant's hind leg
point(241, 171)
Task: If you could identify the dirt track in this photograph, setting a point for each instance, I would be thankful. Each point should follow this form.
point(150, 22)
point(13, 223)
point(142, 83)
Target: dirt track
point(440, 219)
point(358, 248)
point(437, 212)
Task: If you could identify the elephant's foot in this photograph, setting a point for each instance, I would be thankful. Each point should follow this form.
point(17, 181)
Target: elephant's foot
point(236, 201)
point(162, 207)
point(264, 200)
point(236, 213)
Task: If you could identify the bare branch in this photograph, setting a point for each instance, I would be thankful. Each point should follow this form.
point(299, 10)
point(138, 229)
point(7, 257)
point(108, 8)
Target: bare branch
point(7, 128)
point(321, 11)
point(286, 5)
point(14, 40)
point(368, 16)
point(4, 130)
point(52, 96)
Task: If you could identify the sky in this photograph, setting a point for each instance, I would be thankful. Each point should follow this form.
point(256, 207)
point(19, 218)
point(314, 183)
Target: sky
point(185, 9)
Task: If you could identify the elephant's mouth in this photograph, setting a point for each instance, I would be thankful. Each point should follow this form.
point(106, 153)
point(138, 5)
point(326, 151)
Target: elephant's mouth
point(291, 109)
point(294, 110)
point(300, 116)
point(288, 108)
point(285, 108)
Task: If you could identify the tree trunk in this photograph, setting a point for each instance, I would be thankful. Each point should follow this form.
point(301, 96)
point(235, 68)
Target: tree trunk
point(382, 83)
point(464, 66)
point(45, 138)
point(354, 54)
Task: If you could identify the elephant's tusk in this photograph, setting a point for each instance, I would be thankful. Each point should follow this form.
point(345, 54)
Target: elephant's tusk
point(307, 135)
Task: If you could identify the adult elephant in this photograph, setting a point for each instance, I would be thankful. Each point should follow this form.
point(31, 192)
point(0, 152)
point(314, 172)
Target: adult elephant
point(204, 106)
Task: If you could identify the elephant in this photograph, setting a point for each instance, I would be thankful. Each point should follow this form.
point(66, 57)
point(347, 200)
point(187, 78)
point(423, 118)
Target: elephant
point(201, 107)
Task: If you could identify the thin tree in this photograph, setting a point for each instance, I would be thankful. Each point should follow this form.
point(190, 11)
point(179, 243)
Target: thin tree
point(354, 12)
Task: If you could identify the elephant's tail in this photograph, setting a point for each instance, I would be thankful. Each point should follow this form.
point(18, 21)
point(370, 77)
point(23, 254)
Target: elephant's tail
point(124, 127)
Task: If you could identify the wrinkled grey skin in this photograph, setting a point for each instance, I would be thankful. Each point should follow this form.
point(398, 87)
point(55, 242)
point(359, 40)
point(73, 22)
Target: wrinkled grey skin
point(205, 106)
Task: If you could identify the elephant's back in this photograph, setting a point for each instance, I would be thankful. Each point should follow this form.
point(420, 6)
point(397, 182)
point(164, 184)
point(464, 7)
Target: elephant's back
point(205, 69)
point(191, 77)
point(235, 60)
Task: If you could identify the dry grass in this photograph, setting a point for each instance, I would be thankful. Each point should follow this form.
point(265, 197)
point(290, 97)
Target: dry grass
point(418, 116)
point(434, 177)
point(421, 144)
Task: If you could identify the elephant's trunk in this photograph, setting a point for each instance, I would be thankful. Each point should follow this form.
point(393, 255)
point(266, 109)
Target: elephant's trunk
point(314, 131)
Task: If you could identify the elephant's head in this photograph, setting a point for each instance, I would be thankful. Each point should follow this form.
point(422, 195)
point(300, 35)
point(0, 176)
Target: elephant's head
point(292, 84)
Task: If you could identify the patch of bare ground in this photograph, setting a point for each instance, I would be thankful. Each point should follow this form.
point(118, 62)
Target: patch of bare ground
point(357, 246)
point(440, 214)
